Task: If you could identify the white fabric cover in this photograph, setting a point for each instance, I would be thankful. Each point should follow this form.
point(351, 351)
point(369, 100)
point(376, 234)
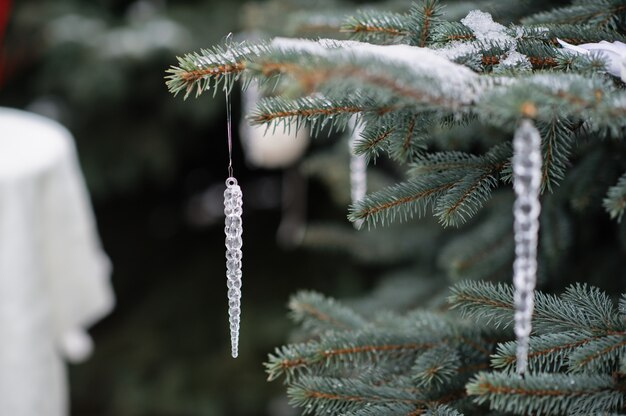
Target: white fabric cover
point(54, 276)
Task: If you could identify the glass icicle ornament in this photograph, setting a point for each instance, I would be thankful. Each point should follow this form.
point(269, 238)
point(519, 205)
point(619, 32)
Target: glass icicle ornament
point(233, 208)
point(234, 229)
point(358, 169)
point(526, 183)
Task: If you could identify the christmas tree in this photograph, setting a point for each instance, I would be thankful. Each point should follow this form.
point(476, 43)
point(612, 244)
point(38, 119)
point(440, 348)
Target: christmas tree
point(437, 95)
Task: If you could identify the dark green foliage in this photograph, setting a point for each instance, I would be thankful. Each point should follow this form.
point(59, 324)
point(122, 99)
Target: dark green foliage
point(320, 395)
point(446, 129)
point(483, 252)
point(564, 96)
point(319, 112)
point(401, 134)
point(600, 354)
point(380, 365)
point(547, 394)
point(580, 342)
point(581, 332)
point(548, 353)
point(596, 13)
point(377, 26)
point(425, 16)
point(398, 111)
point(452, 31)
point(556, 143)
point(590, 179)
point(579, 308)
point(209, 68)
point(442, 411)
point(436, 367)
point(575, 33)
point(454, 184)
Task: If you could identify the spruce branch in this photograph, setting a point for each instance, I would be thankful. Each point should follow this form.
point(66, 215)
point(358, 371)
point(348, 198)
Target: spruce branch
point(597, 307)
point(374, 140)
point(599, 355)
point(547, 353)
point(398, 71)
point(320, 395)
point(317, 313)
point(291, 361)
point(556, 144)
point(581, 64)
point(554, 394)
point(622, 305)
point(566, 96)
point(209, 68)
point(348, 350)
point(450, 161)
point(402, 201)
point(615, 201)
point(538, 54)
point(455, 184)
point(318, 110)
point(425, 16)
point(489, 303)
point(376, 26)
point(409, 137)
point(415, 27)
point(401, 134)
point(436, 367)
point(466, 197)
point(494, 304)
point(442, 410)
point(577, 34)
point(395, 72)
point(382, 75)
point(395, 409)
point(599, 13)
point(447, 32)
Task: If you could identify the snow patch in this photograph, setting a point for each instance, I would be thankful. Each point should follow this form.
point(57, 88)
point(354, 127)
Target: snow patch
point(485, 29)
point(515, 59)
point(614, 54)
point(457, 80)
point(311, 46)
point(457, 49)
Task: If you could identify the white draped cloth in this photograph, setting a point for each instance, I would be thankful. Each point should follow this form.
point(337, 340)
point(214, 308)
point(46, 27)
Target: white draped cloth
point(54, 276)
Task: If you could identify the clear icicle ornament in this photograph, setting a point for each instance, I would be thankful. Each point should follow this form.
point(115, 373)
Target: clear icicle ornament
point(526, 183)
point(233, 202)
point(358, 169)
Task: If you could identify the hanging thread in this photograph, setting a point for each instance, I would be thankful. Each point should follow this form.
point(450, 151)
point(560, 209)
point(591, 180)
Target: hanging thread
point(230, 134)
point(526, 184)
point(233, 209)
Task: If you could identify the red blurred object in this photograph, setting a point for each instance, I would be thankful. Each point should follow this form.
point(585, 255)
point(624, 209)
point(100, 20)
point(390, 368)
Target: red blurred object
point(5, 7)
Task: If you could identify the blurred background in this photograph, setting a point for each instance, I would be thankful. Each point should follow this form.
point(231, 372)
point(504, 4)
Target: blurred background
point(155, 166)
